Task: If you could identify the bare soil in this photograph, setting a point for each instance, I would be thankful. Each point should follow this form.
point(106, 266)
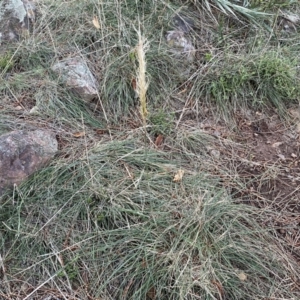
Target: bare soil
point(259, 163)
point(272, 172)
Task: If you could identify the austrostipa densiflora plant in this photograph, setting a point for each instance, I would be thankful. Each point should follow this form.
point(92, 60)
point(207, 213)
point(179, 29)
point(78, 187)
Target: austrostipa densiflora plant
point(141, 76)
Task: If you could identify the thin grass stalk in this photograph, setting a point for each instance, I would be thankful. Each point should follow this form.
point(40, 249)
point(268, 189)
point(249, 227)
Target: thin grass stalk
point(142, 83)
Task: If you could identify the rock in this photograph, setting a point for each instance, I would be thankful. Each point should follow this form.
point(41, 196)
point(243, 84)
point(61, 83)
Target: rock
point(183, 52)
point(295, 113)
point(30, 9)
point(76, 74)
point(215, 154)
point(182, 23)
point(294, 18)
point(51, 298)
point(23, 153)
point(15, 18)
point(288, 22)
point(180, 45)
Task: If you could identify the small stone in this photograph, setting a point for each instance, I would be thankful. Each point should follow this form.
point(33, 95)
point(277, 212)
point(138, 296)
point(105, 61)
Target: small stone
point(295, 113)
point(34, 111)
point(15, 16)
point(22, 153)
point(292, 18)
point(78, 77)
point(216, 133)
point(242, 276)
point(180, 45)
point(277, 144)
point(215, 153)
point(183, 23)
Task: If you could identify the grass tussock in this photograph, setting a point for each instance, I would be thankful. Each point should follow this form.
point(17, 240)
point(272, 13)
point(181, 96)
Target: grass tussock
point(255, 79)
point(120, 225)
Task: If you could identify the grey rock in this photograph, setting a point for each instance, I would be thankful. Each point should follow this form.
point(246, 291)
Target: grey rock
point(180, 45)
point(23, 153)
point(15, 18)
point(291, 17)
point(76, 74)
point(183, 23)
point(181, 48)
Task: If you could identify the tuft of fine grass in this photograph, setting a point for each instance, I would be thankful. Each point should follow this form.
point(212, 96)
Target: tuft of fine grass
point(251, 79)
point(114, 224)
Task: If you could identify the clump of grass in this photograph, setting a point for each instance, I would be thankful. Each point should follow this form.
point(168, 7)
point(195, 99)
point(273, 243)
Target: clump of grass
point(6, 63)
point(118, 224)
point(276, 78)
point(233, 8)
point(162, 122)
point(253, 79)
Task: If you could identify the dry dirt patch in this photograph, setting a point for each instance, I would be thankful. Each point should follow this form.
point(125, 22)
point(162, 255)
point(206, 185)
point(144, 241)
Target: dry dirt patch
point(274, 175)
point(261, 166)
